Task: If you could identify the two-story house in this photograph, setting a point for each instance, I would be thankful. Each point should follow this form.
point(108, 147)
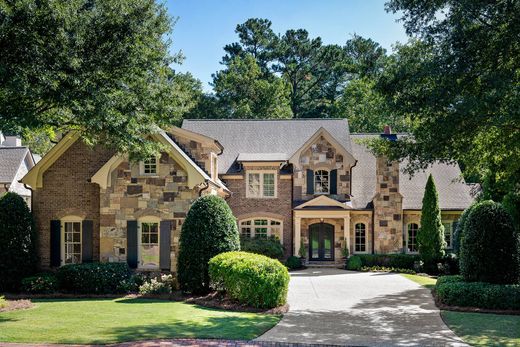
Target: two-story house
point(309, 182)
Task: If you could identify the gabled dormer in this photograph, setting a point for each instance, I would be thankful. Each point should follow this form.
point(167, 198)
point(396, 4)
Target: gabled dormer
point(322, 167)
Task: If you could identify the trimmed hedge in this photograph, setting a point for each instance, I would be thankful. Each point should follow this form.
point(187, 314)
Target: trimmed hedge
point(251, 279)
point(401, 261)
point(454, 291)
point(293, 263)
point(386, 269)
point(490, 245)
point(44, 283)
point(354, 263)
point(94, 278)
point(270, 247)
point(209, 229)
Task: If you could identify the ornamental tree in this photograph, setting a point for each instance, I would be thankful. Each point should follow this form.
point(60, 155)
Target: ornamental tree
point(209, 229)
point(430, 237)
point(490, 246)
point(17, 242)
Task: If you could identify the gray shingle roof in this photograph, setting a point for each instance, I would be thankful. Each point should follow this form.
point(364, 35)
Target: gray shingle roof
point(10, 160)
point(265, 136)
point(263, 157)
point(453, 192)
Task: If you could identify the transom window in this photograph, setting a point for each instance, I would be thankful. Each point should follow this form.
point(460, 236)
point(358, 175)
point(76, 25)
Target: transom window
point(321, 182)
point(260, 228)
point(149, 245)
point(71, 251)
point(448, 234)
point(149, 166)
point(261, 185)
point(360, 235)
point(412, 237)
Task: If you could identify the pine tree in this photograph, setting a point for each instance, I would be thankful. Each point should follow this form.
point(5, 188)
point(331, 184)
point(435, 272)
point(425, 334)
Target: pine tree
point(430, 237)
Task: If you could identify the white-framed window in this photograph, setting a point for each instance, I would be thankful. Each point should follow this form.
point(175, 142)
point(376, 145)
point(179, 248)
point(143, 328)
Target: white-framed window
point(411, 240)
point(149, 248)
point(261, 228)
point(71, 228)
point(149, 167)
point(261, 184)
point(360, 245)
point(321, 182)
point(448, 234)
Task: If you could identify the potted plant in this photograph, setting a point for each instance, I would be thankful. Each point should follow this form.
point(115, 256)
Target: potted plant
point(345, 251)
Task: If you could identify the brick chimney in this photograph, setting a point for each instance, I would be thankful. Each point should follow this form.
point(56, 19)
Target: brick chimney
point(388, 211)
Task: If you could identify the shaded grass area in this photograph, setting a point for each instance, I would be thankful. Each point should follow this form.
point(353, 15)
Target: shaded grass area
point(96, 321)
point(484, 329)
point(478, 329)
point(424, 281)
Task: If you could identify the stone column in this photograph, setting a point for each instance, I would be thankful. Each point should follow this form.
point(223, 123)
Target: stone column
point(346, 231)
point(297, 235)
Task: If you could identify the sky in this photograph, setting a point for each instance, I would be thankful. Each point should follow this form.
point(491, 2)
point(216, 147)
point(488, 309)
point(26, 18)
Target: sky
point(204, 27)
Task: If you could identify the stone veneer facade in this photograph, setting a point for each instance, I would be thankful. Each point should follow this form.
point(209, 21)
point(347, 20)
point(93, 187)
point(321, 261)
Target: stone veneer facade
point(132, 196)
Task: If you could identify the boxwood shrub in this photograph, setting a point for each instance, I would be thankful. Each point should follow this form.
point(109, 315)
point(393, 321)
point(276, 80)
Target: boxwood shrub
point(251, 279)
point(454, 291)
point(270, 247)
point(94, 278)
point(354, 263)
point(401, 261)
point(293, 263)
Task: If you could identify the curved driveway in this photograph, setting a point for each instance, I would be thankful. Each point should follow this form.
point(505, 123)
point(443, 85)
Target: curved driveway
point(338, 307)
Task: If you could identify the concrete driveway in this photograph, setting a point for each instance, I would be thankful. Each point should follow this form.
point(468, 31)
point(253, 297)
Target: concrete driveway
point(338, 307)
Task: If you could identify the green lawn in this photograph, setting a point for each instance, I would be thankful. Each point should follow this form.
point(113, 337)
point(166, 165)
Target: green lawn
point(478, 329)
point(93, 321)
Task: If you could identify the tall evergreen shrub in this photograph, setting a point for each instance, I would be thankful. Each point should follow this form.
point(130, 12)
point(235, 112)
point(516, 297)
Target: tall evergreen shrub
point(17, 242)
point(209, 229)
point(430, 237)
point(490, 247)
point(459, 230)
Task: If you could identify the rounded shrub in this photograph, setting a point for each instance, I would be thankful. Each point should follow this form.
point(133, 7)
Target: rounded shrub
point(270, 247)
point(490, 245)
point(209, 229)
point(459, 230)
point(354, 263)
point(17, 242)
point(251, 279)
point(293, 263)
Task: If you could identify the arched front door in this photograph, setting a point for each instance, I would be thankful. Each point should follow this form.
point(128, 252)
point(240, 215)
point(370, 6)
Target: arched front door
point(321, 241)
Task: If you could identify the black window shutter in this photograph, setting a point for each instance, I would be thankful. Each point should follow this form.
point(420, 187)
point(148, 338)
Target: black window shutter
point(334, 181)
point(165, 240)
point(55, 243)
point(87, 241)
point(310, 181)
point(131, 243)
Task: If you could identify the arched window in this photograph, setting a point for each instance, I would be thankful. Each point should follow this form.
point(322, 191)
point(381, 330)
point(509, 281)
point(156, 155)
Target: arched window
point(321, 182)
point(412, 237)
point(149, 248)
point(71, 230)
point(261, 228)
point(360, 245)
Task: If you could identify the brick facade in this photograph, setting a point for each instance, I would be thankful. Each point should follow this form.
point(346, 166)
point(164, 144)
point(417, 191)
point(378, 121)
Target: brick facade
point(67, 192)
point(279, 207)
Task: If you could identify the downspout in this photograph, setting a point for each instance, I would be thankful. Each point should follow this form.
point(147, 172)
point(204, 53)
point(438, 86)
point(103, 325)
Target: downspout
point(206, 183)
point(373, 233)
point(350, 193)
point(32, 192)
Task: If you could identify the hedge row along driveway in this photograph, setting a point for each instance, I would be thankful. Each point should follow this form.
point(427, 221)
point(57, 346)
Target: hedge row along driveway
point(100, 321)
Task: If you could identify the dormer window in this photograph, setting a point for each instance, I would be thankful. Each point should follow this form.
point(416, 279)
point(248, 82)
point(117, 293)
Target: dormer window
point(321, 182)
point(149, 166)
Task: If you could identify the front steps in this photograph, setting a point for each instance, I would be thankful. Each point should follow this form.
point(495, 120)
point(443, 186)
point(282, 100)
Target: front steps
point(325, 264)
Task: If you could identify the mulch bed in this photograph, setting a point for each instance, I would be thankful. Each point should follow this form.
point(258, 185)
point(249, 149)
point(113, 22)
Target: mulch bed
point(217, 300)
point(13, 305)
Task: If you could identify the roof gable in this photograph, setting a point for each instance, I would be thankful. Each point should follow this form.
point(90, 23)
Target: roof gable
point(265, 136)
point(11, 160)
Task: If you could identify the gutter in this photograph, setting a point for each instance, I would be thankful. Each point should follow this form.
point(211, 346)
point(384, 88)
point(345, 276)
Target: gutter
point(350, 193)
point(206, 183)
point(32, 195)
